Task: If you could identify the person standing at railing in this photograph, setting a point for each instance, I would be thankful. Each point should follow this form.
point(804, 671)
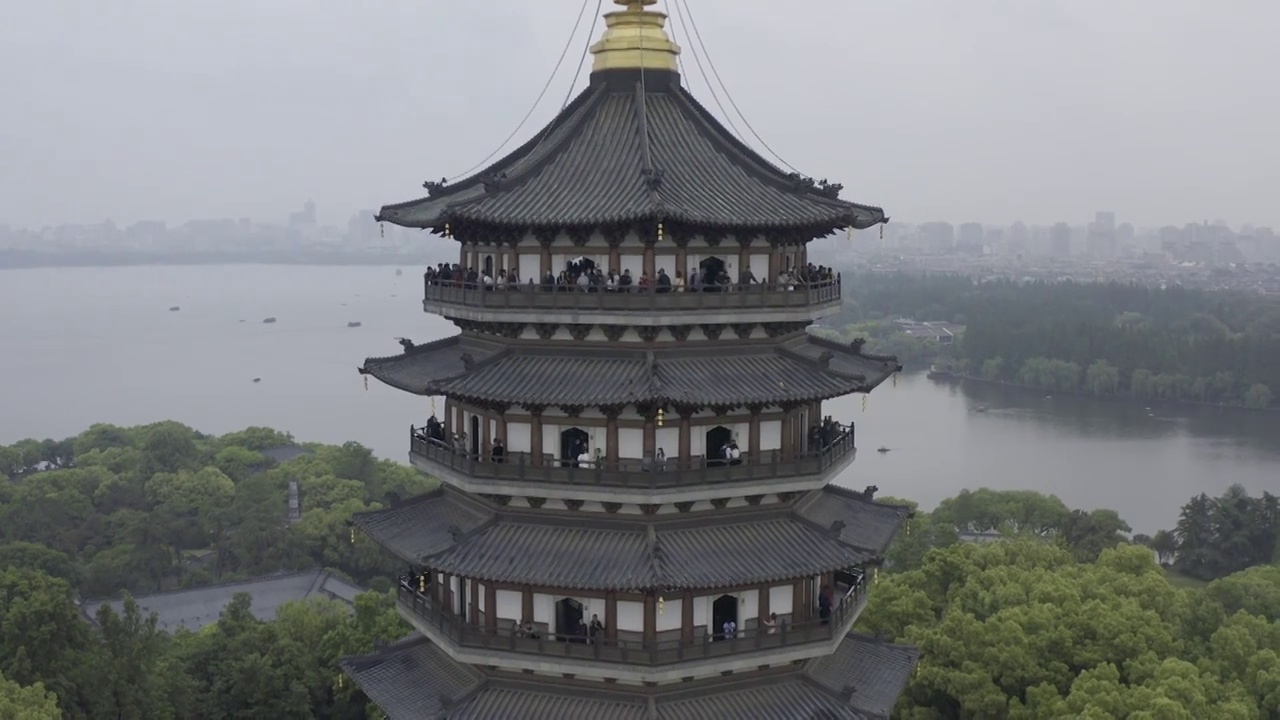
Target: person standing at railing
point(770, 624)
point(679, 284)
point(824, 604)
point(663, 283)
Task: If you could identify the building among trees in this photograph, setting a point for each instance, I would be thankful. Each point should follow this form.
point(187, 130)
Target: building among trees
point(635, 519)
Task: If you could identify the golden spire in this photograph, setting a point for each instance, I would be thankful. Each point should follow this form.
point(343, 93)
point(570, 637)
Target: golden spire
point(635, 39)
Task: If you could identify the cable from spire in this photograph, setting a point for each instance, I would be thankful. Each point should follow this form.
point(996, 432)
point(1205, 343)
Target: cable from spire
point(697, 59)
point(697, 35)
point(537, 101)
point(586, 50)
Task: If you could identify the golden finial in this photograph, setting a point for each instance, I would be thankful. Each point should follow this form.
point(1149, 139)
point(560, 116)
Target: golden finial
point(635, 39)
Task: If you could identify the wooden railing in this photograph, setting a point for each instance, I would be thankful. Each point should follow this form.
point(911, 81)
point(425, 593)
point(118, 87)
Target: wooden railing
point(635, 474)
point(634, 652)
point(528, 296)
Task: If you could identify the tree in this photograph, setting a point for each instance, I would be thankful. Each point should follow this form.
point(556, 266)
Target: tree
point(1258, 396)
point(27, 703)
point(132, 647)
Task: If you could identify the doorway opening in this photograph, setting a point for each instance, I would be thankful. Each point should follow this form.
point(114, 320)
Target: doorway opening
point(573, 442)
point(718, 438)
point(579, 265)
point(712, 270)
point(475, 437)
point(488, 265)
point(724, 611)
point(462, 598)
point(569, 614)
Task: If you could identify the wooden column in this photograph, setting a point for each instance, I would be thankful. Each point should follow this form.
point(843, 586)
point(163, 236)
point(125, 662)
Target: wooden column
point(615, 257)
point(686, 618)
point(446, 592)
point(753, 435)
point(650, 435)
point(686, 439)
point(682, 258)
point(448, 419)
point(473, 598)
point(788, 434)
point(486, 434)
point(513, 258)
point(802, 255)
point(799, 610)
point(526, 604)
point(650, 619)
point(501, 420)
point(611, 439)
point(490, 607)
point(763, 604)
point(462, 254)
point(611, 615)
point(744, 256)
point(775, 261)
point(649, 261)
point(535, 436)
point(545, 260)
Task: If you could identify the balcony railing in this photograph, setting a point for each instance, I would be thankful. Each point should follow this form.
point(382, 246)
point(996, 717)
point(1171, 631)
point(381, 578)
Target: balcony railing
point(529, 296)
point(633, 652)
point(635, 474)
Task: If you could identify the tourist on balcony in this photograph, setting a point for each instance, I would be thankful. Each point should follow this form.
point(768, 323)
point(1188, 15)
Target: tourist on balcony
point(824, 604)
point(679, 281)
point(625, 282)
point(548, 281)
point(584, 459)
point(486, 281)
point(660, 461)
point(770, 624)
point(732, 454)
point(460, 443)
point(663, 283)
point(499, 451)
point(584, 282)
point(746, 278)
point(730, 629)
point(595, 629)
point(645, 284)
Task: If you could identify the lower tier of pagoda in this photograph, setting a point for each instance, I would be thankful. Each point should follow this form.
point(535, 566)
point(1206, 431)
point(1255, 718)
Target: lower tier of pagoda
point(486, 369)
point(416, 680)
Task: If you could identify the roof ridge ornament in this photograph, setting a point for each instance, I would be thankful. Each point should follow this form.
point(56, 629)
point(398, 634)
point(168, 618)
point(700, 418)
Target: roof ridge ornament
point(635, 38)
point(435, 189)
point(493, 181)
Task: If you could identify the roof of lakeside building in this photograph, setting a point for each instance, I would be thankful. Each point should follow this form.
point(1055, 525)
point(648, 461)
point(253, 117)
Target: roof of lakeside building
point(618, 155)
point(194, 608)
point(827, 530)
point(802, 368)
point(414, 679)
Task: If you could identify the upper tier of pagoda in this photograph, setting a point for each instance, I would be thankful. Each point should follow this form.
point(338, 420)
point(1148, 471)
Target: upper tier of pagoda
point(635, 147)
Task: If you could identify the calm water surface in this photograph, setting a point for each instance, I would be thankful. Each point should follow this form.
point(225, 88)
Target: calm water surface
point(100, 345)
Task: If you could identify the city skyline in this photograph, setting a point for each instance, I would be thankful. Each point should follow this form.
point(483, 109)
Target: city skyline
point(997, 111)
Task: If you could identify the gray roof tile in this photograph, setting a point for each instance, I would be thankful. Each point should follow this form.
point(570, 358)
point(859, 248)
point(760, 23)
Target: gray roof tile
point(458, 536)
point(194, 608)
point(863, 523)
point(876, 671)
point(412, 679)
point(588, 167)
point(589, 376)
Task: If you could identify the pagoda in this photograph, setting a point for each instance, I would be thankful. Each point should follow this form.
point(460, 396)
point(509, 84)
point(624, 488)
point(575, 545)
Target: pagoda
point(635, 518)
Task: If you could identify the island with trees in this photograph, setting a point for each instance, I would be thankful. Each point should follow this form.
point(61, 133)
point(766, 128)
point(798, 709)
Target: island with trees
point(1023, 607)
point(1150, 344)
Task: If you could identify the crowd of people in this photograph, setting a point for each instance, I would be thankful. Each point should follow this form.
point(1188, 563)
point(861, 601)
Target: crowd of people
point(584, 276)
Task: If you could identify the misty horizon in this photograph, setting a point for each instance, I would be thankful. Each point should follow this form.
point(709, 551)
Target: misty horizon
point(996, 112)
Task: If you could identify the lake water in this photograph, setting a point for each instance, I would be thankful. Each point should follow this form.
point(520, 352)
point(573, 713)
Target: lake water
point(86, 345)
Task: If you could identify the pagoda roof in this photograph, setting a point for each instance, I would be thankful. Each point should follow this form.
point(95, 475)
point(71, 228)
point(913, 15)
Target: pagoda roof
point(619, 156)
point(452, 533)
point(802, 369)
point(414, 680)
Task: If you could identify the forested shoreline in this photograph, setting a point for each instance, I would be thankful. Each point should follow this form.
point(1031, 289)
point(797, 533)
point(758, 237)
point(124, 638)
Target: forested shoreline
point(1149, 344)
point(1063, 615)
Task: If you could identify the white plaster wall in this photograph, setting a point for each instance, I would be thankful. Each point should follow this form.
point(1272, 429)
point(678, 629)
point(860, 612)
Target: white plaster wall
point(551, 439)
point(456, 600)
point(780, 597)
point(668, 439)
point(544, 609)
point(630, 616)
point(748, 607)
point(770, 434)
point(509, 604)
point(760, 267)
point(670, 618)
point(702, 610)
point(631, 443)
point(519, 437)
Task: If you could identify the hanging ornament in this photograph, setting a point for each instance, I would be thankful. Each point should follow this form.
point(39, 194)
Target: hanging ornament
point(908, 528)
point(864, 403)
point(353, 536)
point(382, 232)
point(659, 231)
point(895, 379)
point(881, 231)
point(422, 583)
point(662, 605)
point(447, 231)
point(875, 575)
point(433, 406)
point(366, 383)
point(341, 681)
point(662, 417)
point(849, 232)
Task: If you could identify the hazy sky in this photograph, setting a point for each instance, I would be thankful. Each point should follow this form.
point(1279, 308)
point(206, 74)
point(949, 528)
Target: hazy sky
point(1166, 111)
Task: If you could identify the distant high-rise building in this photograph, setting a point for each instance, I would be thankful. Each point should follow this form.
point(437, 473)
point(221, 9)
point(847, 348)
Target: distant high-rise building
point(1060, 240)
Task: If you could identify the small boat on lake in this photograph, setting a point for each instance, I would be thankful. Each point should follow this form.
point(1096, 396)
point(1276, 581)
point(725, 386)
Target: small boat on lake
point(268, 321)
point(882, 449)
point(354, 324)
